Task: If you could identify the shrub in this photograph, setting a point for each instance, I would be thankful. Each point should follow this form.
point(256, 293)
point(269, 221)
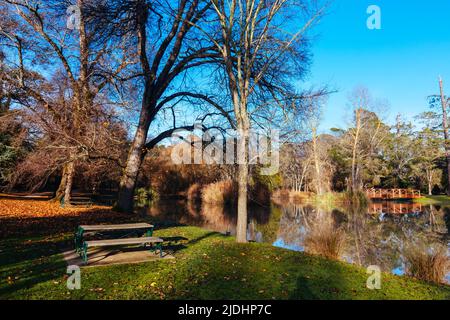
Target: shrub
point(325, 239)
point(357, 198)
point(259, 194)
point(428, 263)
point(219, 193)
point(145, 195)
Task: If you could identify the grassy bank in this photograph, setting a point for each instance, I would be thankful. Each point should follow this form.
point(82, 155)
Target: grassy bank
point(441, 200)
point(207, 266)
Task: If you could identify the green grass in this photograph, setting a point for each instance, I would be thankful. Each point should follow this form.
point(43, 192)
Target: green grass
point(207, 266)
point(441, 200)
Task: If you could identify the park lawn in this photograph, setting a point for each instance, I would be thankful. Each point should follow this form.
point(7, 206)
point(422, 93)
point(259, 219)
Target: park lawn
point(442, 200)
point(207, 265)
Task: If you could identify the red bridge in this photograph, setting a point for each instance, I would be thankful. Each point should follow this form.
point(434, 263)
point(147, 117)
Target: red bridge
point(392, 193)
point(394, 207)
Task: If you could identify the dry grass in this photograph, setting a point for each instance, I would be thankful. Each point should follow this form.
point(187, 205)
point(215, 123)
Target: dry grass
point(325, 239)
point(429, 263)
point(219, 193)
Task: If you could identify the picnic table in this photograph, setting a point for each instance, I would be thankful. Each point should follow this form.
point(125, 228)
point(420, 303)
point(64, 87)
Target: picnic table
point(78, 201)
point(82, 245)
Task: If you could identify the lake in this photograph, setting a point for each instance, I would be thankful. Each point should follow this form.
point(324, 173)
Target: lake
point(377, 234)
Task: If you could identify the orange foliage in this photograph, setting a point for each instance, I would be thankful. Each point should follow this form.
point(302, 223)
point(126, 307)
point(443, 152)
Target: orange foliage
point(33, 217)
point(220, 193)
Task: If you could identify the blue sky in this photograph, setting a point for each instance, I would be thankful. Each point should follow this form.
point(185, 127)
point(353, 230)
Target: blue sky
point(400, 63)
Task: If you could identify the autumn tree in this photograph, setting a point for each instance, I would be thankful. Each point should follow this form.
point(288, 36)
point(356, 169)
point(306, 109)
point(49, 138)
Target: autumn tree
point(38, 38)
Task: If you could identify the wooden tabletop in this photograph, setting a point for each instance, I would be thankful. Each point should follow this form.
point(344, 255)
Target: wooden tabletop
point(126, 226)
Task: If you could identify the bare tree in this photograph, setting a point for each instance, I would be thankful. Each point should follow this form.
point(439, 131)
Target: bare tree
point(168, 47)
point(444, 105)
point(365, 134)
point(257, 52)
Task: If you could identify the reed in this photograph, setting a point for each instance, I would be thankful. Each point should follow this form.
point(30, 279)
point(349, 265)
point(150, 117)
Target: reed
point(428, 263)
point(325, 239)
point(219, 193)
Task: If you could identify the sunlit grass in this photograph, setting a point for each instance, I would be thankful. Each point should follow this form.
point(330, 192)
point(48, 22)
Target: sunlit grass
point(207, 265)
point(441, 200)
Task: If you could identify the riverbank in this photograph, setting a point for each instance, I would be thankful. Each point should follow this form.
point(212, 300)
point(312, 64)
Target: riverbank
point(439, 200)
point(207, 265)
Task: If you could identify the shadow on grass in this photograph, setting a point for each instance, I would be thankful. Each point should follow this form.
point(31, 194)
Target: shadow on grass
point(177, 243)
point(224, 270)
point(332, 285)
point(25, 264)
point(303, 290)
point(49, 225)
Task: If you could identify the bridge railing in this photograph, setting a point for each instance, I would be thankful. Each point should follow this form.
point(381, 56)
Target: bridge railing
point(392, 193)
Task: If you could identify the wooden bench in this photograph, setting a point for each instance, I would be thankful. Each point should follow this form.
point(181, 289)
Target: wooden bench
point(120, 242)
point(79, 233)
point(86, 202)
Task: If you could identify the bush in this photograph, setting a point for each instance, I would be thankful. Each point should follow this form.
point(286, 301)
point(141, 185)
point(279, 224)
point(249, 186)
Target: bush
point(428, 263)
point(357, 198)
point(259, 194)
point(145, 195)
point(325, 239)
point(219, 193)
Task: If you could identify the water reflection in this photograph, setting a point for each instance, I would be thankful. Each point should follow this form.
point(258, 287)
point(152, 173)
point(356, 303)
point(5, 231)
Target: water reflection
point(375, 235)
point(211, 217)
point(394, 207)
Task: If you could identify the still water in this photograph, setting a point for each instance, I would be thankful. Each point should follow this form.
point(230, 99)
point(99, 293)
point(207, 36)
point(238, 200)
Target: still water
point(377, 234)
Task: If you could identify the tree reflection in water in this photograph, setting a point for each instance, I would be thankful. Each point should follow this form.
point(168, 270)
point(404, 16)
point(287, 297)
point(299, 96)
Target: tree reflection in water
point(372, 235)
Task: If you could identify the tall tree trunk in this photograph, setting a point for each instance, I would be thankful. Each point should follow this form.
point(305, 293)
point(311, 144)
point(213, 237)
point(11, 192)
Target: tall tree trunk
point(134, 161)
point(429, 174)
point(59, 194)
point(69, 182)
point(445, 129)
point(354, 184)
point(241, 229)
point(316, 163)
